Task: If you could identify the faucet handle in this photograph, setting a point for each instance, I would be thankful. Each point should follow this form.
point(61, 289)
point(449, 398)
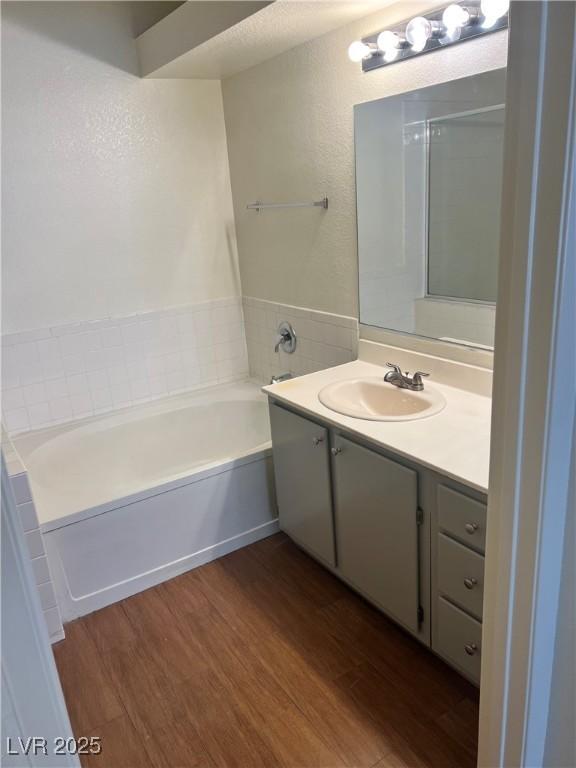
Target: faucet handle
point(396, 368)
point(286, 338)
point(281, 338)
point(417, 377)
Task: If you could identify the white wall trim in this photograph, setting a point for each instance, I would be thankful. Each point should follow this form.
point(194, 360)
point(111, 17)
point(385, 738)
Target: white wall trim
point(534, 388)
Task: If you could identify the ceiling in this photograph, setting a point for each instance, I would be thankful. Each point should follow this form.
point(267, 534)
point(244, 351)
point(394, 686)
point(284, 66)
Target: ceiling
point(146, 13)
point(265, 33)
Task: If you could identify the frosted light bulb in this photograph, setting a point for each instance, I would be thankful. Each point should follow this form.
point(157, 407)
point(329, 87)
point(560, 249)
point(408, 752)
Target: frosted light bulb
point(492, 10)
point(418, 32)
point(391, 54)
point(496, 8)
point(358, 51)
point(451, 36)
point(388, 41)
point(455, 17)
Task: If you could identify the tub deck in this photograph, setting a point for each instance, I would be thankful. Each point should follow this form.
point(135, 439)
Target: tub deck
point(94, 465)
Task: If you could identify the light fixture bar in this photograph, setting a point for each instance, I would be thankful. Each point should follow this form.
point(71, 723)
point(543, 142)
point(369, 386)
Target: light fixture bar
point(450, 24)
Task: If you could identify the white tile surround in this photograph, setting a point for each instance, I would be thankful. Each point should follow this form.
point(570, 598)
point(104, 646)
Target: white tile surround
point(323, 339)
point(67, 372)
point(34, 539)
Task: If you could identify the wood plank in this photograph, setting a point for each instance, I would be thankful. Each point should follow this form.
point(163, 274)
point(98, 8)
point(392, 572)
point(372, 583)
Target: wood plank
point(399, 658)
point(407, 733)
point(299, 571)
point(144, 696)
point(425, 741)
point(149, 612)
point(90, 696)
point(245, 615)
point(184, 594)
point(122, 747)
point(261, 658)
point(147, 676)
point(334, 720)
point(110, 628)
point(334, 715)
point(224, 731)
point(177, 745)
point(293, 615)
point(255, 692)
point(461, 723)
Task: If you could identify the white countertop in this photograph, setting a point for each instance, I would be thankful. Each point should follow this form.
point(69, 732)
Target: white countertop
point(454, 442)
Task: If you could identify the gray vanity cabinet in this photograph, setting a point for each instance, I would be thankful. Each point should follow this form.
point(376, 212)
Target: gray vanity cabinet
point(302, 474)
point(409, 540)
point(376, 508)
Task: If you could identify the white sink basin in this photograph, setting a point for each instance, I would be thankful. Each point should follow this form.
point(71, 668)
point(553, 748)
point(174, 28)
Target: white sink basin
point(374, 399)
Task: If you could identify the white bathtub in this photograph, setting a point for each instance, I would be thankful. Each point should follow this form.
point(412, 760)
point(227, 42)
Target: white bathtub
point(129, 499)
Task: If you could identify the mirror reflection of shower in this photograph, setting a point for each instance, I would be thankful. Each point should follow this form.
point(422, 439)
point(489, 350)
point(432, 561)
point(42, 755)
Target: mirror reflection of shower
point(428, 185)
point(464, 197)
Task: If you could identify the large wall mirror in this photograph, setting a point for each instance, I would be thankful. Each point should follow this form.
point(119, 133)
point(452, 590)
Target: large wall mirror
point(428, 186)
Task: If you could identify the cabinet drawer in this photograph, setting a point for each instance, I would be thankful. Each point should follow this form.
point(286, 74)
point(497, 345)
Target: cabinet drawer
point(462, 517)
point(461, 575)
point(459, 639)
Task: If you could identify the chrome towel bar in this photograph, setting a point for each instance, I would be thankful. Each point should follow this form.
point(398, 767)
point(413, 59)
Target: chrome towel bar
point(260, 206)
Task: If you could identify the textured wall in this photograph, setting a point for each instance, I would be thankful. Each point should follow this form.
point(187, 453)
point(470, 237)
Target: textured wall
point(289, 124)
point(116, 192)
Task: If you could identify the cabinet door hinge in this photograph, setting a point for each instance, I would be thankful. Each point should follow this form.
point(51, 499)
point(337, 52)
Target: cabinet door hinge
point(419, 516)
point(420, 614)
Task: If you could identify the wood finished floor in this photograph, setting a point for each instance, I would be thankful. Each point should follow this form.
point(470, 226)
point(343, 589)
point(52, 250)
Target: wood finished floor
point(261, 658)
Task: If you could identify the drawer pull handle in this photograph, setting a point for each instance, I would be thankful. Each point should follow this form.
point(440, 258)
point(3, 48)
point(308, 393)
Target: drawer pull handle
point(316, 441)
point(470, 583)
point(336, 451)
point(471, 528)
point(471, 648)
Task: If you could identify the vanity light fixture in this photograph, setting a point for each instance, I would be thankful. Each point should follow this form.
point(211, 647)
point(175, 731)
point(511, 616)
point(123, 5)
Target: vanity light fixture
point(421, 29)
point(390, 43)
point(359, 50)
point(451, 24)
point(492, 10)
point(459, 16)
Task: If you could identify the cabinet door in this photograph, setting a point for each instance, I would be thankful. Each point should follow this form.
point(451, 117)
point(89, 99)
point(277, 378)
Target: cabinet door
point(376, 529)
point(302, 473)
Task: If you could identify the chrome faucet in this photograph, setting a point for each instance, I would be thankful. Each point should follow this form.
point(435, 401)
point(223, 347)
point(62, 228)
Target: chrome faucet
point(286, 338)
point(278, 378)
point(404, 381)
